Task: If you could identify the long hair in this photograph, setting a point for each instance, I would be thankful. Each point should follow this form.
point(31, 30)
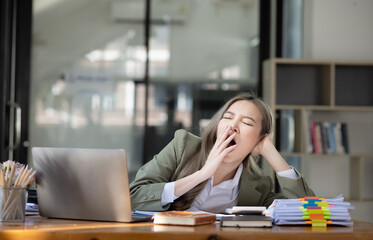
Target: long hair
point(208, 138)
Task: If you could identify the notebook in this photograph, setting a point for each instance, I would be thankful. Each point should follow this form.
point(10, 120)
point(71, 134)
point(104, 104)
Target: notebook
point(246, 221)
point(86, 184)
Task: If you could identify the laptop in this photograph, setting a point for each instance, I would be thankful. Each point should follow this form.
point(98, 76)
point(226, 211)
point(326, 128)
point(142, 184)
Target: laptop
point(85, 184)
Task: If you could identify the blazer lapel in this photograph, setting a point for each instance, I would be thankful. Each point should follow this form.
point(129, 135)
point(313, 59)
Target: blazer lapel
point(248, 195)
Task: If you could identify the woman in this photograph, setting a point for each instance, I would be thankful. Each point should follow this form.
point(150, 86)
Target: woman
point(218, 170)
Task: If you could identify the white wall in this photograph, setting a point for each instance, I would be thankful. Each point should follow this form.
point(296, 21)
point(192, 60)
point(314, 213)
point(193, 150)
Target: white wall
point(338, 29)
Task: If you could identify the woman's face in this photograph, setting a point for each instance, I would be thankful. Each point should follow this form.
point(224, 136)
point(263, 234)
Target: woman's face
point(245, 118)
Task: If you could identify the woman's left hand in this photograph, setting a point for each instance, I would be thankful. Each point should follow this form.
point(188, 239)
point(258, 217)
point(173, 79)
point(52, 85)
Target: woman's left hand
point(260, 147)
point(266, 148)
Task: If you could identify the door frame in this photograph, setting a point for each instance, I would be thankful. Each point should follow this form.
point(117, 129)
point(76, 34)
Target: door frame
point(15, 62)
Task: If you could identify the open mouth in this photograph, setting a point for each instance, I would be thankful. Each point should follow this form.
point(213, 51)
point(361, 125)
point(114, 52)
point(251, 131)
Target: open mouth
point(232, 143)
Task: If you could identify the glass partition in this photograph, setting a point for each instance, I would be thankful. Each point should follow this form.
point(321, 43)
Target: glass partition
point(88, 69)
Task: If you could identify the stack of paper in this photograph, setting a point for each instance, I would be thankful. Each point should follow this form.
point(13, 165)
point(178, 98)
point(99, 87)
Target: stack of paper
point(315, 211)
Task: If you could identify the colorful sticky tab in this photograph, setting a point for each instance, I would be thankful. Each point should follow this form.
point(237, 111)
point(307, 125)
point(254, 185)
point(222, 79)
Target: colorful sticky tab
point(307, 198)
point(318, 223)
point(323, 204)
point(316, 216)
point(313, 200)
point(312, 207)
point(309, 205)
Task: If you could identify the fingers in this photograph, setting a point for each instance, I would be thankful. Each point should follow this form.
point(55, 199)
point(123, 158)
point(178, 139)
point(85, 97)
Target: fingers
point(220, 139)
point(218, 152)
point(224, 145)
point(223, 140)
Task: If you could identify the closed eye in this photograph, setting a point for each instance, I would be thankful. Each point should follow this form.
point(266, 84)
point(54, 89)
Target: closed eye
point(227, 116)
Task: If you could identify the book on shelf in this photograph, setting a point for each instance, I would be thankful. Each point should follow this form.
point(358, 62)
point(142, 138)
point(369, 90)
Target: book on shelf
point(324, 126)
point(318, 138)
point(314, 137)
point(286, 130)
point(345, 138)
point(246, 221)
point(338, 138)
point(184, 218)
point(308, 146)
point(329, 138)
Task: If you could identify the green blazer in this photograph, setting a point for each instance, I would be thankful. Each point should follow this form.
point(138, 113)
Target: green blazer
point(146, 189)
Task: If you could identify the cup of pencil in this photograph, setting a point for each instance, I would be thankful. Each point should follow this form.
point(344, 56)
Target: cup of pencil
point(14, 179)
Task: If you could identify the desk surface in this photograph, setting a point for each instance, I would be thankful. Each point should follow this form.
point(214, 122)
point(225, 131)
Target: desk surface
point(36, 227)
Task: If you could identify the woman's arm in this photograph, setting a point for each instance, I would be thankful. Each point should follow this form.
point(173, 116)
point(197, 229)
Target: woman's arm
point(266, 148)
point(290, 187)
point(146, 190)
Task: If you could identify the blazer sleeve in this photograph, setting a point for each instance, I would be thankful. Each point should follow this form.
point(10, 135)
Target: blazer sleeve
point(290, 188)
point(146, 190)
point(258, 191)
point(295, 188)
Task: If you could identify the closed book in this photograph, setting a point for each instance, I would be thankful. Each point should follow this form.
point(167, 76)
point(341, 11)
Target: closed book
point(326, 137)
point(183, 218)
point(332, 138)
point(345, 138)
point(314, 137)
point(246, 210)
point(308, 146)
point(318, 138)
point(338, 138)
point(246, 221)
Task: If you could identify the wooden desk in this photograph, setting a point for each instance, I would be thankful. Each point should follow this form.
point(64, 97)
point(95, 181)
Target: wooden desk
point(38, 228)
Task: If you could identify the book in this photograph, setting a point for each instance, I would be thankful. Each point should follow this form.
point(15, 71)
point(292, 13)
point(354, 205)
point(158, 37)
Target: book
point(246, 221)
point(246, 210)
point(332, 138)
point(325, 137)
point(308, 146)
point(328, 137)
point(314, 137)
point(345, 138)
point(183, 218)
point(318, 138)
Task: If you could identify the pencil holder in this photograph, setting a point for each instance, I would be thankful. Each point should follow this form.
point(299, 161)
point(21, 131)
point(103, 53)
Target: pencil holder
point(12, 204)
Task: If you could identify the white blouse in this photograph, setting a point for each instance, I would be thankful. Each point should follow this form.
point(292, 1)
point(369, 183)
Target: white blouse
point(216, 198)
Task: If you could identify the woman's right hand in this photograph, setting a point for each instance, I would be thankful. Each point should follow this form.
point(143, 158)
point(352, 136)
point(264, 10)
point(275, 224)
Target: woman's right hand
point(214, 159)
point(218, 152)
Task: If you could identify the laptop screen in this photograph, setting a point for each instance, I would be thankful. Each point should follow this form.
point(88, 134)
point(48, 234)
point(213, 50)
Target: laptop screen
point(78, 183)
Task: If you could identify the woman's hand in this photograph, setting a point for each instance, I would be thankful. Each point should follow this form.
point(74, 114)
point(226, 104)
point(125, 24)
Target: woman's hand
point(266, 148)
point(264, 143)
point(218, 152)
point(214, 159)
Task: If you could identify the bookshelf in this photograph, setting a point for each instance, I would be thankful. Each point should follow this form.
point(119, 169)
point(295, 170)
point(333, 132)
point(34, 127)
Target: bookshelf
point(326, 91)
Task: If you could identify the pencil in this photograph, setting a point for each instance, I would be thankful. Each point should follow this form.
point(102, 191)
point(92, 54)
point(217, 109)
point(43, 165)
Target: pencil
point(16, 183)
point(2, 180)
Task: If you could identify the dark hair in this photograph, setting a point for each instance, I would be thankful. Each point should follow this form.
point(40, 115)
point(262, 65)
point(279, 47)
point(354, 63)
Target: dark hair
point(208, 139)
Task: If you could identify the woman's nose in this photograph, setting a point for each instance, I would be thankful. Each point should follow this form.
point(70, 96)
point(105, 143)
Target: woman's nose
point(235, 129)
point(235, 126)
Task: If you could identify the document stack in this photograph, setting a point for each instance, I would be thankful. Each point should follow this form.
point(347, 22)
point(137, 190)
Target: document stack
point(315, 211)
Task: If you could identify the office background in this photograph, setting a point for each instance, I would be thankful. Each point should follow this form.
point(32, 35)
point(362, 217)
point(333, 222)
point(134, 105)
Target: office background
point(80, 73)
